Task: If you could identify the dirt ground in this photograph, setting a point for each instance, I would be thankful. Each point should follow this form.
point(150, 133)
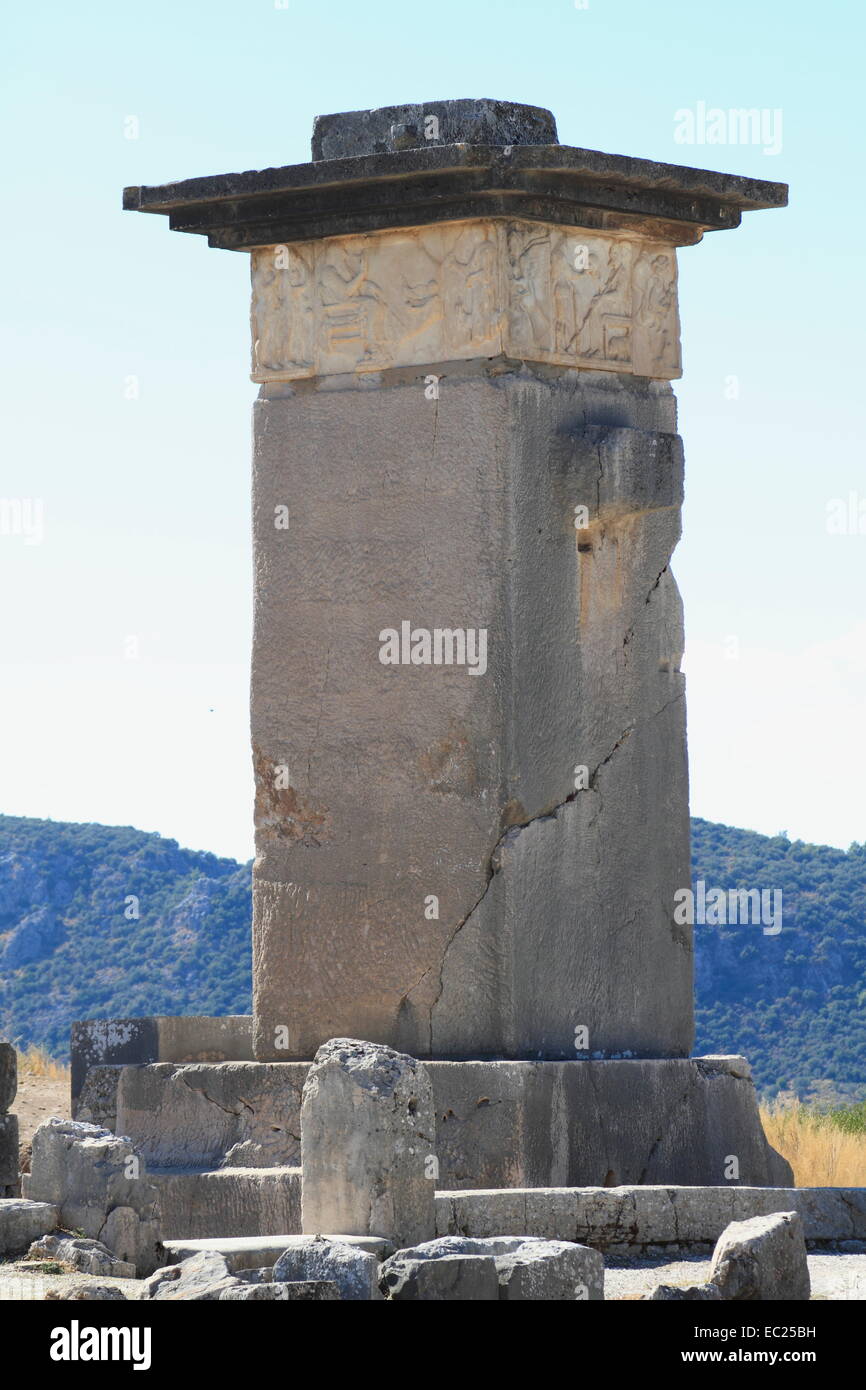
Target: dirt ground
point(38, 1098)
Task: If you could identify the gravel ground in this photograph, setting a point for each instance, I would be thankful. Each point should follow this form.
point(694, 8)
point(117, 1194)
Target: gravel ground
point(834, 1276)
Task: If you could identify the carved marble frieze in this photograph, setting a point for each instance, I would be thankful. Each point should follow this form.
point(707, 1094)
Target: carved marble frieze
point(458, 290)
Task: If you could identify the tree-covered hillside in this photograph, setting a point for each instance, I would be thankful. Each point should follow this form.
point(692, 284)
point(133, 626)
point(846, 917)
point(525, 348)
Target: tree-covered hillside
point(72, 946)
point(795, 1003)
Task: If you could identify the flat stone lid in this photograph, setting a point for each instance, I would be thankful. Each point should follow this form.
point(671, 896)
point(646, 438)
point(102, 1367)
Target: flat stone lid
point(369, 180)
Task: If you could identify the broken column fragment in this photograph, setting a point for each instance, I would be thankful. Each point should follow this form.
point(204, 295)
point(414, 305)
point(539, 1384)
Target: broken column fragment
point(367, 1144)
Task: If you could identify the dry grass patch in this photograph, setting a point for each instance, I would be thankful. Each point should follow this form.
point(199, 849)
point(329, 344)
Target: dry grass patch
point(820, 1149)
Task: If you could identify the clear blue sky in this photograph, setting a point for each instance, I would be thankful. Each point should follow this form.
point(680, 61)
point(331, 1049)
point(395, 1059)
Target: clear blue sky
point(146, 501)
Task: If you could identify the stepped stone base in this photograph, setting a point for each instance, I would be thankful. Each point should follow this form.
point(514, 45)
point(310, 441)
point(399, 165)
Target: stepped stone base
point(229, 1202)
point(507, 1124)
point(616, 1220)
point(625, 1220)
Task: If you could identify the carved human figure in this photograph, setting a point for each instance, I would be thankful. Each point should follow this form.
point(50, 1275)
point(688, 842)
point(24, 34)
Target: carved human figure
point(282, 311)
point(529, 260)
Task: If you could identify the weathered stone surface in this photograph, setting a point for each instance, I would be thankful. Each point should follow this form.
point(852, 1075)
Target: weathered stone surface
point(202, 1278)
point(318, 1257)
point(85, 1256)
point(99, 1184)
point(473, 121)
point(97, 1103)
point(408, 187)
point(22, 1222)
point(551, 1271)
point(250, 1254)
point(9, 1153)
point(462, 1278)
point(96, 1293)
point(235, 1202)
point(624, 1219)
point(546, 898)
point(367, 1142)
point(300, 1291)
point(131, 1041)
point(232, 1115)
point(525, 1269)
point(8, 1076)
point(599, 1123)
point(491, 288)
point(763, 1258)
point(689, 1293)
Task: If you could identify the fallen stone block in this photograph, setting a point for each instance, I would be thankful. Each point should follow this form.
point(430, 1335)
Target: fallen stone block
point(248, 1253)
point(762, 1259)
point(95, 1292)
point(99, 1183)
point(450, 1278)
point(22, 1222)
point(8, 1076)
point(354, 1271)
point(692, 1293)
point(85, 1256)
point(203, 1277)
point(297, 1291)
point(551, 1271)
point(367, 1143)
point(527, 1268)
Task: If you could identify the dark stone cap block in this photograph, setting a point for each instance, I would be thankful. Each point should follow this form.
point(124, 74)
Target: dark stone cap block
point(420, 124)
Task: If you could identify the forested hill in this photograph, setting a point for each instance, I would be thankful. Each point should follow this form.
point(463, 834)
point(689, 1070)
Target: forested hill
point(101, 921)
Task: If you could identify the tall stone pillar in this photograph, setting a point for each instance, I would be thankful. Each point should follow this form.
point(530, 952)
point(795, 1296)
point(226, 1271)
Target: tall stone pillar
point(468, 711)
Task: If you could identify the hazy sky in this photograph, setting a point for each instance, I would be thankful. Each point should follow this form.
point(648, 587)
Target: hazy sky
point(126, 622)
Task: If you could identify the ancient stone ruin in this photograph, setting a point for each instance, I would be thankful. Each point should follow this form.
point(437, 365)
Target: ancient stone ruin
point(467, 1073)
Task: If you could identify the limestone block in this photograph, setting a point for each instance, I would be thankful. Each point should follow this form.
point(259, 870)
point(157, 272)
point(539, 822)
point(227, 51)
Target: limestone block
point(22, 1222)
point(493, 287)
point(320, 1258)
point(234, 1202)
point(8, 1152)
point(201, 1278)
point(624, 1123)
point(96, 1042)
point(8, 1076)
point(300, 1291)
point(367, 1139)
point(551, 1271)
point(760, 1259)
point(85, 1256)
point(463, 1278)
point(214, 1115)
point(89, 1174)
point(525, 1269)
point(540, 899)
point(97, 1103)
point(96, 1293)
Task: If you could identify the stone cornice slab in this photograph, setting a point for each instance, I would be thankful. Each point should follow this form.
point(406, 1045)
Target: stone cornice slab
point(548, 183)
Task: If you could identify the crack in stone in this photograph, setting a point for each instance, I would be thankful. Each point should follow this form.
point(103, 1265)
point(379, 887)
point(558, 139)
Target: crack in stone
point(493, 867)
